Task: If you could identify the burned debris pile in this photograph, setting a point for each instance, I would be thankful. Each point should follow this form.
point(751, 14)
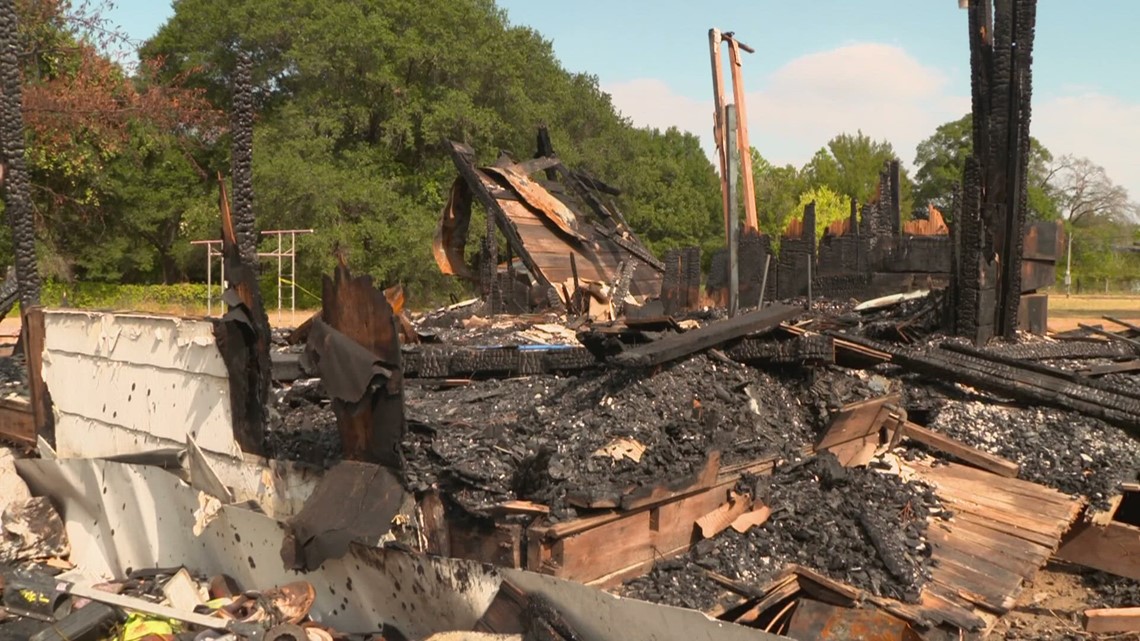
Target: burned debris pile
point(796, 464)
point(761, 467)
point(845, 522)
point(1076, 454)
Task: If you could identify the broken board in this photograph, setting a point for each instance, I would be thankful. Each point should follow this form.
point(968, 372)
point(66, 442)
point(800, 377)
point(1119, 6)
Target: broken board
point(1002, 532)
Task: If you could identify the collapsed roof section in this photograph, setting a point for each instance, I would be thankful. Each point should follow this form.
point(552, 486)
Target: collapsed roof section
point(574, 250)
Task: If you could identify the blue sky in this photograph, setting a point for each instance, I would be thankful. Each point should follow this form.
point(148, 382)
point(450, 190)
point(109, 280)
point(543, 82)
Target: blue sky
point(893, 68)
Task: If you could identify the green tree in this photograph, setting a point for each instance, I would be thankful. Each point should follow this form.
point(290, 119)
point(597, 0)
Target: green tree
point(777, 191)
point(941, 158)
point(850, 166)
point(673, 192)
point(355, 98)
point(830, 207)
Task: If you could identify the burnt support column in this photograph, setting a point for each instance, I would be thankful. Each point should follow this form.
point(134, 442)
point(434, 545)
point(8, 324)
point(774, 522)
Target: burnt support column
point(992, 212)
point(13, 165)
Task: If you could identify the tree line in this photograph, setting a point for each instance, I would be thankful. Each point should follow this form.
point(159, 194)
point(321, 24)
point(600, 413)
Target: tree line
point(352, 101)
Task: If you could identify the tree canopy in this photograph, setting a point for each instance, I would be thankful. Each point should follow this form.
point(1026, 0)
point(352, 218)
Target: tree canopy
point(355, 98)
point(941, 159)
point(352, 102)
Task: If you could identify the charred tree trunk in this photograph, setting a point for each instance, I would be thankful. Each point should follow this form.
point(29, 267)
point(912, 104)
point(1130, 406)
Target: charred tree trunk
point(17, 186)
point(241, 129)
point(243, 334)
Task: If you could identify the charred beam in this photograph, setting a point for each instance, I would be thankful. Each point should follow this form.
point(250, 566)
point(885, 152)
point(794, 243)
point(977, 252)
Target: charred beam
point(356, 347)
point(13, 164)
point(1018, 383)
point(717, 333)
point(243, 339)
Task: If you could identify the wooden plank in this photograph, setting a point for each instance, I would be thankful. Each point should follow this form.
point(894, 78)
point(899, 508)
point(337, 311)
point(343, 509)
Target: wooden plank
point(711, 335)
point(967, 478)
point(854, 433)
point(939, 607)
point(1109, 335)
point(964, 524)
point(549, 250)
point(986, 517)
point(987, 524)
point(1023, 560)
point(498, 544)
point(595, 553)
point(1114, 548)
point(724, 515)
point(1112, 620)
point(371, 430)
point(962, 569)
point(33, 328)
point(462, 156)
point(961, 451)
point(620, 576)
point(519, 507)
point(660, 494)
point(506, 612)
point(813, 581)
point(1112, 368)
point(1008, 507)
point(17, 422)
point(1130, 326)
point(847, 353)
point(436, 531)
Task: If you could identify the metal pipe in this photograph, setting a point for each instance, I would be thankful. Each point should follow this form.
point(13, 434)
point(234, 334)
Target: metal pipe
point(293, 277)
point(279, 277)
point(764, 280)
point(209, 282)
point(733, 213)
point(809, 281)
point(1069, 264)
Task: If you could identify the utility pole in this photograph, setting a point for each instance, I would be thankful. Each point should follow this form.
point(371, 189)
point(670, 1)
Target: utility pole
point(1069, 263)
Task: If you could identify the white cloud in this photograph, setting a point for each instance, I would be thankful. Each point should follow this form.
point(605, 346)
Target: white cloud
point(1101, 127)
point(650, 102)
point(890, 95)
point(795, 110)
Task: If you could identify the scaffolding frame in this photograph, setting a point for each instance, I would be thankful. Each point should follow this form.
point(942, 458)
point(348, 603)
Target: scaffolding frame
point(214, 250)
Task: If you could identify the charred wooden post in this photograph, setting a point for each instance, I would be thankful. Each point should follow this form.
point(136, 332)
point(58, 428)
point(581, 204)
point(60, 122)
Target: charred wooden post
point(681, 284)
point(241, 128)
point(243, 339)
point(356, 347)
point(987, 278)
point(16, 182)
point(243, 334)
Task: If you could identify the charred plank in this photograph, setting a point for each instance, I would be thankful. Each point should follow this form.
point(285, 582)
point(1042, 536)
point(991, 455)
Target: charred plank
point(711, 335)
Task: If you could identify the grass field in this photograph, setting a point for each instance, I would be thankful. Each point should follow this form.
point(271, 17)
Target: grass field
point(1066, 312)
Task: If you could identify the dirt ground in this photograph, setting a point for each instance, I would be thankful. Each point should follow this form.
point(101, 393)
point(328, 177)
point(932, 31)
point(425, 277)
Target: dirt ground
point(1051, 607)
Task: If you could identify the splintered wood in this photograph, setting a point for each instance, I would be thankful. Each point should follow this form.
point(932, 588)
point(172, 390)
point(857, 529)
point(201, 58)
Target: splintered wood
point(854, 433)
point(1103, 542)
point(1112, 620)
point(727, 514)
